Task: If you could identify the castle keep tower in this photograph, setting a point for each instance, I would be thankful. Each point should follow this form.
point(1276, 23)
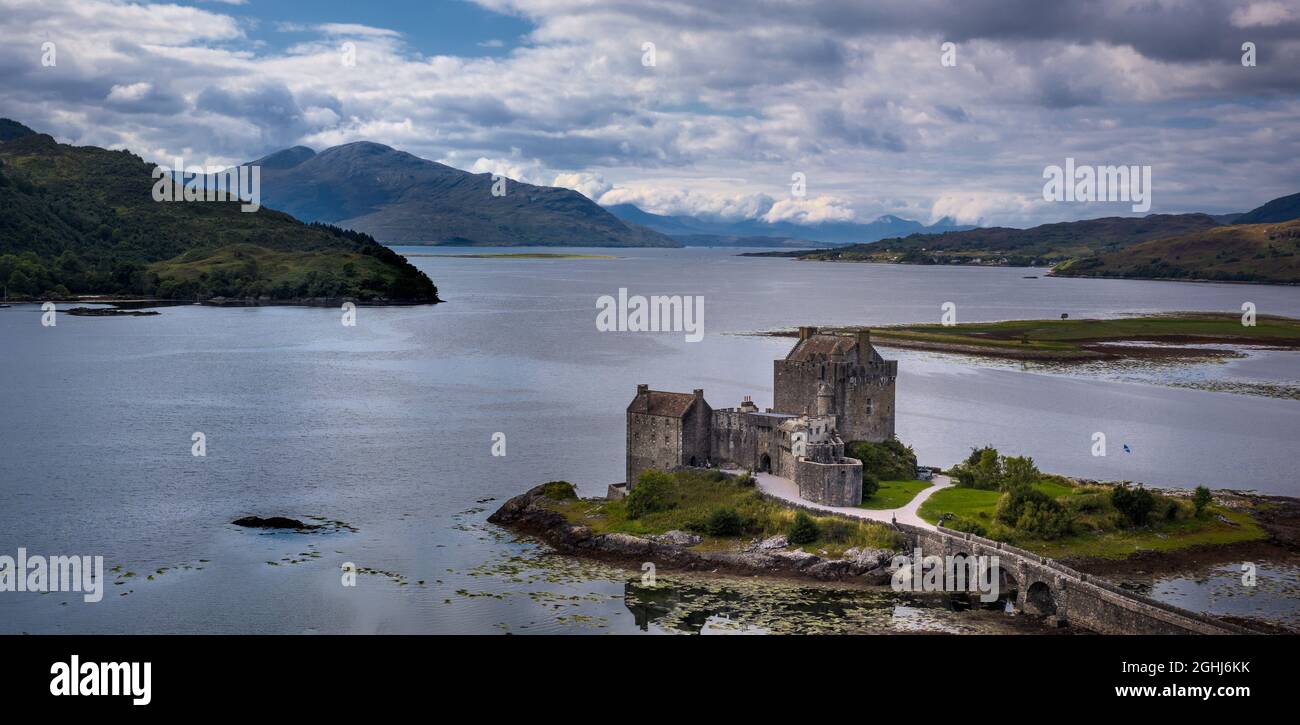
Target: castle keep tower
point(861, 383)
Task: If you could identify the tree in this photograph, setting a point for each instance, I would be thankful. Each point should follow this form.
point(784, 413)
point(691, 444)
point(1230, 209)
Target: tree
point(20, 284)
point(1019, 471)
point(1201, 498)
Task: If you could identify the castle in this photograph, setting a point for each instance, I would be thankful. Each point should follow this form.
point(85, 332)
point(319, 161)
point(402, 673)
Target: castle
point(829, 389)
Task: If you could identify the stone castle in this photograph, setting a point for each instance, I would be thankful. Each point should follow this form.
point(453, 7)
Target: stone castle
point(829, 389)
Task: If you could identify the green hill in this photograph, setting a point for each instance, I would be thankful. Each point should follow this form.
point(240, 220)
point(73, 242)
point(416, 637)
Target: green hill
point(1040, 245)
point(83, 221)
point(1237, 253)
point(1282, 209)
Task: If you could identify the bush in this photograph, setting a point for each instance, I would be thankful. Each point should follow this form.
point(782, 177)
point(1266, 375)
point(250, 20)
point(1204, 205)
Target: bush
point(559, 490)
point(1201, 498)
point(804, 530)
point(1135, 504)
point(1033, 512)
point(653, 492)
point(724, 522)
point(870, 484)
point(969, 526)
point(1088, 503)
point(835, 530)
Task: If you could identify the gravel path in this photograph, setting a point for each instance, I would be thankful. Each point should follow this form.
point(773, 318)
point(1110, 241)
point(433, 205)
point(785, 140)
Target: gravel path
point(785, 489)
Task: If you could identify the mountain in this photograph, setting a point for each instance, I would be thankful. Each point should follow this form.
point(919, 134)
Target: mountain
point(1282, 209)
point(1237, 253)
point(1045, 244)
point(80, 220)
point(398, 197)
point(10, 130)
point(683, 228)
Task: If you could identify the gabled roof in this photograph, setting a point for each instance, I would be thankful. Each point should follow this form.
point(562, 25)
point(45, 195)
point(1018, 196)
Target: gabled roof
point(658, 402)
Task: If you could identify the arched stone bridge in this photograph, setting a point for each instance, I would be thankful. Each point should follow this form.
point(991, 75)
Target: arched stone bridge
point(1045, 586)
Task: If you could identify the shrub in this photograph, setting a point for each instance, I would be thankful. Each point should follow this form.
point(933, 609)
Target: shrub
point(970, 526)
point(1201, 498)
point(1171, 509)
point(653, 493)
point(836, 530)
point(559, 490)
point(1135, 504)
point(724, 522)
point(1031, 511)
point(804, 530)
point(870, 484)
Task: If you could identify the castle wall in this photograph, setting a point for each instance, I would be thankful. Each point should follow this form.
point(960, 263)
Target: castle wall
point(741, 439)
point(653, 441)
point(831, 484)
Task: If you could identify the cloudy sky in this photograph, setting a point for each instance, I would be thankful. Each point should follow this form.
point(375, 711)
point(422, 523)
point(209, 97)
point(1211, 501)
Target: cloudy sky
point(741, 95)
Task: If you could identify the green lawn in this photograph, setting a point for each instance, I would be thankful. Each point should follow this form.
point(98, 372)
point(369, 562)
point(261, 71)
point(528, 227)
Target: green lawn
point(894, 494)
point(979, 505)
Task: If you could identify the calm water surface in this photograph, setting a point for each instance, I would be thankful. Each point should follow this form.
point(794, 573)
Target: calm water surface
point(388, 425)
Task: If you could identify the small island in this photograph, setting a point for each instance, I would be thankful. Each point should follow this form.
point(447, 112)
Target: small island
point(779, 493)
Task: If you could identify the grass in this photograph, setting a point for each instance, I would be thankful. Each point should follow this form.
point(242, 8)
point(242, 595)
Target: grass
point(695, 496)
point(1098, 534)
point(1078, 339)
point(894, 494)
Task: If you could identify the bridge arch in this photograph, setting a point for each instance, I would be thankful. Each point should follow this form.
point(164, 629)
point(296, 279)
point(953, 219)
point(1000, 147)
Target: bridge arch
point(1040, 599)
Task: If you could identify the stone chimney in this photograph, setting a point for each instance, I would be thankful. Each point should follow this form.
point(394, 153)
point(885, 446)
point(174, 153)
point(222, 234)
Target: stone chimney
point(699, 392)
point(864, 345)
point(807, 332)
point(642, 388)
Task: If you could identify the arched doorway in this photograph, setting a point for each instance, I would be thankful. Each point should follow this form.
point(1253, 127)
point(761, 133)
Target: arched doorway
point(765, 463)
point(1039, 599)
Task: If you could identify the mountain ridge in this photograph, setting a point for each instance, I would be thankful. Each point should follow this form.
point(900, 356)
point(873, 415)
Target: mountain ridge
point(398, 197)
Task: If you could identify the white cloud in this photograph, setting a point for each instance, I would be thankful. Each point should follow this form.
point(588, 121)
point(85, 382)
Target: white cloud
point(1263, 14)
point(810, 210)
point(590, 185)
point(850, 93)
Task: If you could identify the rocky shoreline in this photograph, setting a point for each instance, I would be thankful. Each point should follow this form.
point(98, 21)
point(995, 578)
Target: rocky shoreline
point(529, 514)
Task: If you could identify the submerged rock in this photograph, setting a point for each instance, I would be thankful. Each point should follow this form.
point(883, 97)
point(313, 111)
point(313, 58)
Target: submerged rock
point(274, 522)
